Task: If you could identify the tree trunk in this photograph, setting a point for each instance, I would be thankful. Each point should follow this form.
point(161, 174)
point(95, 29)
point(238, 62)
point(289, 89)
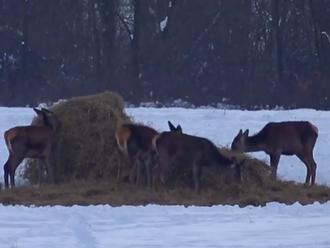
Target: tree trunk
point(316, 30)
point(108, 16)
point(97, 46)
point(136, 47)
point(277, 39)
point(24, 44)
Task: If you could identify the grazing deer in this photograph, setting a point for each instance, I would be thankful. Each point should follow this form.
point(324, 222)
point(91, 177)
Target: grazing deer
point(30, 142)
point(177, 149)
point(288, 138)
point(135, 142)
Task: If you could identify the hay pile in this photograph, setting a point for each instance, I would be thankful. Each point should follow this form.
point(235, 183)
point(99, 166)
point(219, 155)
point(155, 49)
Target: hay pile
point(85, 147)
point(254, 173)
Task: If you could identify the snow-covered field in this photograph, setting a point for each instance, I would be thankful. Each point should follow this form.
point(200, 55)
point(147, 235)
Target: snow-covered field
point(275, 225)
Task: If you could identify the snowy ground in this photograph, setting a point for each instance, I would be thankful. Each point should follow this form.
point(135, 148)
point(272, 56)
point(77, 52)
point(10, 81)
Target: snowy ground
point(158, 226)
point(275, 225)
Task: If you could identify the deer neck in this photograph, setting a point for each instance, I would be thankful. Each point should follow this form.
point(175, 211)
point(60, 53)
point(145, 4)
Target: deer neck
point(255, 143)
point(49, 125)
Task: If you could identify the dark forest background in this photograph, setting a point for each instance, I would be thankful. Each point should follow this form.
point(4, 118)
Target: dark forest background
point(244, 52)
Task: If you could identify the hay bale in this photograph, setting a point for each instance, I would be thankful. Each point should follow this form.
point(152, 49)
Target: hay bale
point(254, 173)
point(85, 146)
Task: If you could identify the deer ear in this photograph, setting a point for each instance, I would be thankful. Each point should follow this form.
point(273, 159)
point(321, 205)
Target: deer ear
point(171, 126)
point(179, 129)
point(46, 111)
point(39, 112)
point(240, 132)
point(246, 133)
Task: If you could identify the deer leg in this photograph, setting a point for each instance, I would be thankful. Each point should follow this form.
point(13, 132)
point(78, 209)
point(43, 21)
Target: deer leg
point(123, 161)
point(311, 167)
point(118, 173)
point(155, 171)
point(138, 168)
point(155, 176)
point(196, 176)
point(274, 160)
point(40, 167)
point(50, 171)
point(132, 173)
point(6, 169)
point(162, 171)
point(13, 163)
point(120, 165)
point(149, 164)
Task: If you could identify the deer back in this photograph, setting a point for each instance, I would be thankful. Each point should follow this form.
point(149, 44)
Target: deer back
point(188, 148)
point(24, 138)
point(132, 137)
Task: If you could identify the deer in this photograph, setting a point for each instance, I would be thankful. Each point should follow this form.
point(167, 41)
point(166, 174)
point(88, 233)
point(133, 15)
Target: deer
point(277, 138)
point(30, 142)
point(134, 141)
point(179, 149)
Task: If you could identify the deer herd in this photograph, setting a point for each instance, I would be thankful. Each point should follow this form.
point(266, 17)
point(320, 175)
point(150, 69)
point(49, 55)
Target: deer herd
point(154, 154)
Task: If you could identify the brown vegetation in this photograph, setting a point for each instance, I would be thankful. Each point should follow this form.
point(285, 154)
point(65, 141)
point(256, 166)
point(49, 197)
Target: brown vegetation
point(256, 189)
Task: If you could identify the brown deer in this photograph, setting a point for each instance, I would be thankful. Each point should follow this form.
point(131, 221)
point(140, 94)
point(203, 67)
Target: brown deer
point(134, 141)
point(287, 138)
point(30, 142)
point(177, 149)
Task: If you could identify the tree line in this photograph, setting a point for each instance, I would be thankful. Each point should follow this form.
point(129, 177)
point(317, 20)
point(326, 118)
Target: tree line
point(244, 52)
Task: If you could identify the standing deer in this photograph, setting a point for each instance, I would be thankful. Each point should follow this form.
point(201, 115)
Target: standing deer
point(134, 141)
point(288, 138)
point(30, 142)
point(177, 149)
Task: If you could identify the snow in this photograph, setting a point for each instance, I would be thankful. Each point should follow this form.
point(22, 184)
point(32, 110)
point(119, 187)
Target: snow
point(275, 225)
point(326, 35)
point(163, 24)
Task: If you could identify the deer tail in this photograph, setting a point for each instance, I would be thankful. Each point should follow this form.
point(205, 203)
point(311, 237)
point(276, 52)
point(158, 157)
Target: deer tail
point(8, 136)
point(315, 129)
point(122, 135)
point(154, 142)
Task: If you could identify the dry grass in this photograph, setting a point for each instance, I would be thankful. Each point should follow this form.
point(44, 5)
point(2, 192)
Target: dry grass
point(89, 193)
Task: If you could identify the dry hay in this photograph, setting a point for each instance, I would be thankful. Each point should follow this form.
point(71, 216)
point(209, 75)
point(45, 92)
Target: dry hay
point(253, 172)
point(85, 147)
